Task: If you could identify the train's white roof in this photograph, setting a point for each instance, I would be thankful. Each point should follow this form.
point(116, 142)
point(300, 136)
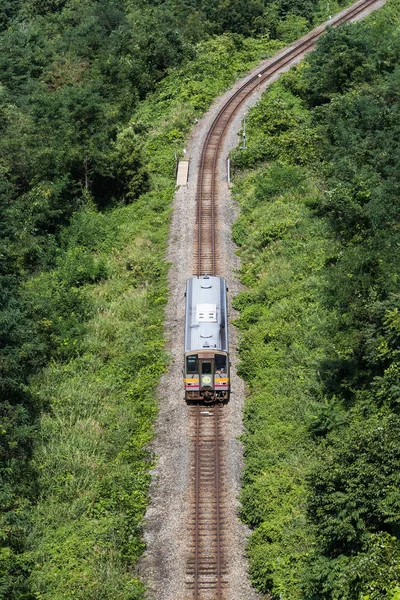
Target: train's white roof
point(206, 323)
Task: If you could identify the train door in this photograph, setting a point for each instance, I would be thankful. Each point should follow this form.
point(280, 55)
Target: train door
point(206, 371)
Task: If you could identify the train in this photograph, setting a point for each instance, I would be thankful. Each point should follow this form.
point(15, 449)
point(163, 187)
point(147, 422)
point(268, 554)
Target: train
point(206, 354)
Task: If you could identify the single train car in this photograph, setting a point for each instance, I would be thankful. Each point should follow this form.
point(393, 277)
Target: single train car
point(206, 370)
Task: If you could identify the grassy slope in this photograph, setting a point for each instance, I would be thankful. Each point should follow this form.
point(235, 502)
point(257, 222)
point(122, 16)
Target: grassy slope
point(285, 324)
point(283, 249)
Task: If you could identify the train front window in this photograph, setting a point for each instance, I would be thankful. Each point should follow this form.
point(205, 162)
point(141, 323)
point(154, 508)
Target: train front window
point(220, 365)
point(192, 364)
point(206, 368)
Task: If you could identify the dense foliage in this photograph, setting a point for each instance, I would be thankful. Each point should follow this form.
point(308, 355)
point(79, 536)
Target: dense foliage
point(85, 194)
point(320, 322)
point(84, 199)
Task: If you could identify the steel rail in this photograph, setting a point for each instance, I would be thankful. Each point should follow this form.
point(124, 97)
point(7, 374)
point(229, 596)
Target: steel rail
point(278, 63)
point(217, 506)
point(199, 206)
point(197, 509)
point(206, 565)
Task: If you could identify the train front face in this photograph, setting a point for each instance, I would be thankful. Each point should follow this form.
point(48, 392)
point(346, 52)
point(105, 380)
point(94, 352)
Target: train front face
point(207, 377)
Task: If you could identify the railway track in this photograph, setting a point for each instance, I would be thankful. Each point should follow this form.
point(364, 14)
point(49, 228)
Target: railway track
point(206, 248)
point(206, 566)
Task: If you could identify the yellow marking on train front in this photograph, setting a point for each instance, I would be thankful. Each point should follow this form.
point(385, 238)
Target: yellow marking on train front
point(216, 380)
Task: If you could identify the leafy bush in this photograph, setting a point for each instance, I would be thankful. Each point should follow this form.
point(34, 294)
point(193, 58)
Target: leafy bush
point(320, 325)
point(283, 250)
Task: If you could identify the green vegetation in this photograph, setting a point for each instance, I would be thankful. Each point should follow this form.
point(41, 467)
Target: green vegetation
point(96, 97)
point(319, 239)
point(283, 250)
point(87, 178)
point(98, 407)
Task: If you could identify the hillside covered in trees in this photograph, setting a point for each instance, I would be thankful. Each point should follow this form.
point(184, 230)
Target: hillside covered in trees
point(319, 188)
point(96, 96)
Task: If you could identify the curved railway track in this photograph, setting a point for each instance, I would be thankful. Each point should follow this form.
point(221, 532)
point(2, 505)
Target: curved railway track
point(206, 567)
point(207, 188)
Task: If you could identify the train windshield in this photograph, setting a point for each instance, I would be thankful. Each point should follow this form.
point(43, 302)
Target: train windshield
point(206, 368)
point(220, 364)
point(192, 364)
